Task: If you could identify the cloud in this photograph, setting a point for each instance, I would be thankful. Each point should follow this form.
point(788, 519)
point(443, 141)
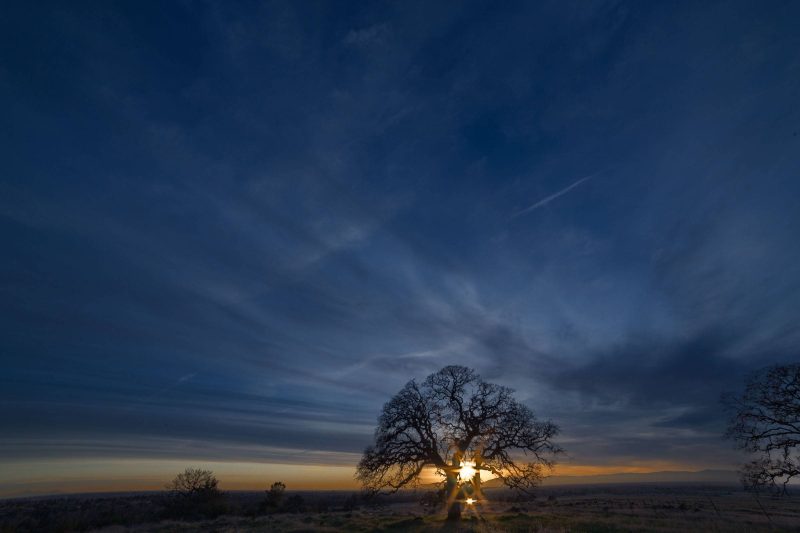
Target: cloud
point(371, 35)
point(298, 229)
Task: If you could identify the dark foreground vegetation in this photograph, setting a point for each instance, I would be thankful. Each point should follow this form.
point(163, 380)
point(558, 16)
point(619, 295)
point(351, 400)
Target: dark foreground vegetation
point(92, 512)
point(192, 496)
point(592, 508)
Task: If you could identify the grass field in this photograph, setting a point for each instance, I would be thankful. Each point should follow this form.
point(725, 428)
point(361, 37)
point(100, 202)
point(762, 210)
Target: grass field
point(596, 508)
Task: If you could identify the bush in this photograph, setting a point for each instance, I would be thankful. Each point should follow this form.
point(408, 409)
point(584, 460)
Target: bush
point(193, 481)
point(194, 494)
point(275, 496)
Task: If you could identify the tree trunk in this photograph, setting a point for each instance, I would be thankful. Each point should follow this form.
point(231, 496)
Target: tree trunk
point(454, 509)
point(454, 512)
point(476, 480)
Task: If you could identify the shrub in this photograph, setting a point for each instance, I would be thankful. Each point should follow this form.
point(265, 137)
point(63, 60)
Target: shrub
point(193, 481)
point(275, 496)
point(194, 494)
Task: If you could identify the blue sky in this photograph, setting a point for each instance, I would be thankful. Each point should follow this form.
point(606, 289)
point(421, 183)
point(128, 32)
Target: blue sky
point(232, 231)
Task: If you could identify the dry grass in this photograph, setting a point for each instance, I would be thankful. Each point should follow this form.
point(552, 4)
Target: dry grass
point(591, 509)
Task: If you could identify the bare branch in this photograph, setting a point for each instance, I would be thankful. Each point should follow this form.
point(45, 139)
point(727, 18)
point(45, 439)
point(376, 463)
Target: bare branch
point(765, 421)
point(452, 416)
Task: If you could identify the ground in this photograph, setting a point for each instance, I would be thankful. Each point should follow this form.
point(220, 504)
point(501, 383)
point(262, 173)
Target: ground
point(598, 509)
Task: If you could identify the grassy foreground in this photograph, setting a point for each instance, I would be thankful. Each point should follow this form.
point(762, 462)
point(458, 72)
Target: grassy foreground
point(590, 510)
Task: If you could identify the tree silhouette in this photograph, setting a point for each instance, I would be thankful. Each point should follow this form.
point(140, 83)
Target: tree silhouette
point(460, 425)
point(275, 495)
point(194, 482)
point(766, 421)
point(194, 493)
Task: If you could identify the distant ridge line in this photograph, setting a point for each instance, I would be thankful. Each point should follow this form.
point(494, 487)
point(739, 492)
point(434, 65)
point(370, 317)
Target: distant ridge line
point(724, 477)
point(665, 476)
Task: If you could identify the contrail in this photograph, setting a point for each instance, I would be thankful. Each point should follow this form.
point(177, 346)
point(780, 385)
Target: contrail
point(544, 201)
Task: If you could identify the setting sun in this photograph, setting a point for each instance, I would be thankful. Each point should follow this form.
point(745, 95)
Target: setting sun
point(467, 471)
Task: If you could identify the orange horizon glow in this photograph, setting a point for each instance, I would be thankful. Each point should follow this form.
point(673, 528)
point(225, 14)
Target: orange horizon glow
point(39, 477)
point(639, 468)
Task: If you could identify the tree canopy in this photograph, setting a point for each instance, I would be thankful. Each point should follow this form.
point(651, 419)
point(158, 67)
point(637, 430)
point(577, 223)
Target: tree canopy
point(455, 418)
point(766, 422)
point(194, 482)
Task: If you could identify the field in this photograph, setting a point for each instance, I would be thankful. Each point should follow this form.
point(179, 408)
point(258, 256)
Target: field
point(589, 508)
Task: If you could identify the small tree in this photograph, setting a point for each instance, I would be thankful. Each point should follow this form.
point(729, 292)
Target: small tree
point(460, 425)
point(766, 422)
point(194, 482)
point(194, 492)
point(275, 495)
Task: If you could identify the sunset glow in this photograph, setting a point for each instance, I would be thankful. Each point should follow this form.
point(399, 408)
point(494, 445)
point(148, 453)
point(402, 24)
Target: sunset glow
point(49, 476)
point(467, 471)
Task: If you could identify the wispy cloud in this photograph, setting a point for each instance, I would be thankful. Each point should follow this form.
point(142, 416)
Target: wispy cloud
point(367, 36)
point(269, 277)
point(544, 201)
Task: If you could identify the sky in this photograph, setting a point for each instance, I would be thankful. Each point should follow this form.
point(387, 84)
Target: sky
point(230, 232)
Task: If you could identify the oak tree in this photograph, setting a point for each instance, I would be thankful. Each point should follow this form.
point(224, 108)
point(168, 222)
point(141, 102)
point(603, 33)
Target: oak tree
point(459, 425)
point(766, 423)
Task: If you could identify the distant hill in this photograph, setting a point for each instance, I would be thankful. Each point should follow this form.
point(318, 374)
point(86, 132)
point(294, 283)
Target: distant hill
point(716, 477)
